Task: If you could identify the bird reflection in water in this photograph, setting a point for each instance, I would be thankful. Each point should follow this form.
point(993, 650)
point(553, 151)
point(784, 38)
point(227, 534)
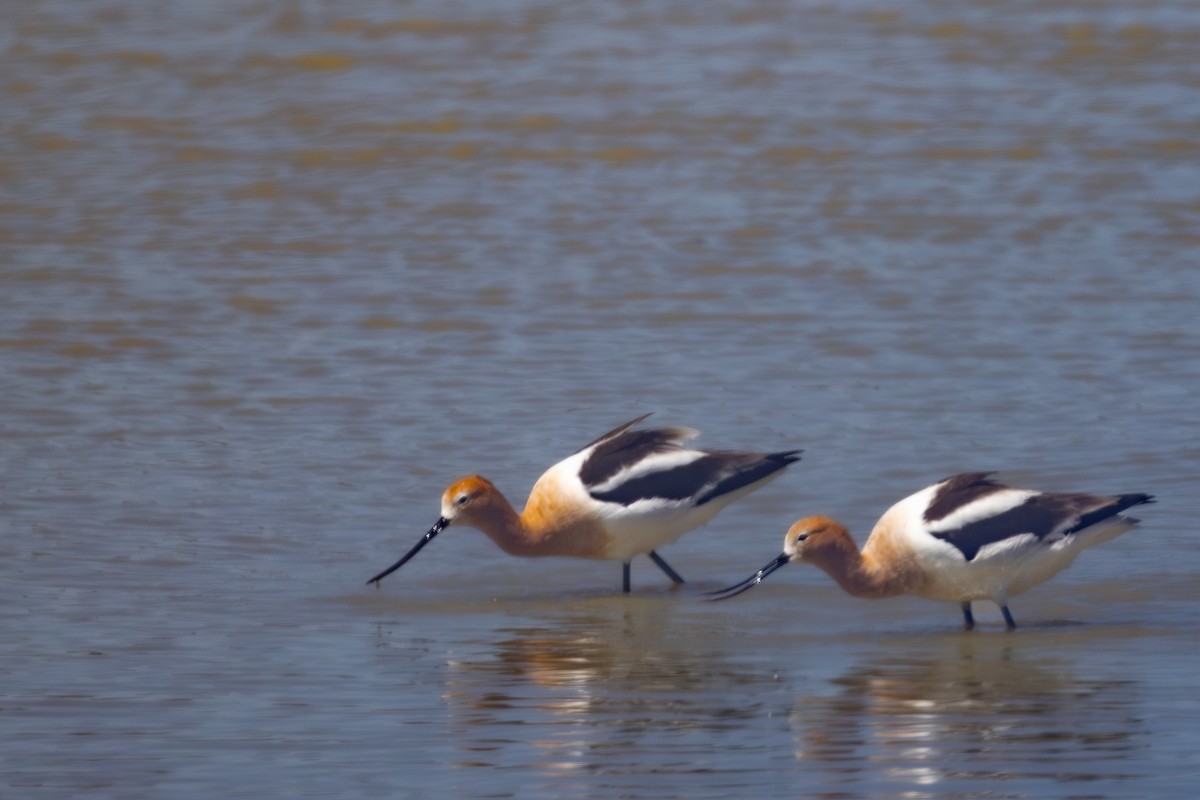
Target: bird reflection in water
point(611, 693)
point(966, 712)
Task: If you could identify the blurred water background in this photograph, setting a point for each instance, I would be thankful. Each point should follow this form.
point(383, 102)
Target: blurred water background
point(271, 274)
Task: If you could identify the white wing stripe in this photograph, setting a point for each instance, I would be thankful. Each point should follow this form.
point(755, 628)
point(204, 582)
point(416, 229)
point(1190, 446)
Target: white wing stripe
point(981, 508)
point(655, 462)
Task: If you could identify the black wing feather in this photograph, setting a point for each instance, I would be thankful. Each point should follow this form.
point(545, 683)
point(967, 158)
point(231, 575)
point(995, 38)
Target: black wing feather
point(1040, 515)
point(960, 490)
point(615, 431)
point(708, 477)
point(614, 453)
point(1118, 504)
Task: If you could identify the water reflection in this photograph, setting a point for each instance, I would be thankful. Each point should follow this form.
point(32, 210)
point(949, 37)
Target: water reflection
point(613, 692)
point(933, 720)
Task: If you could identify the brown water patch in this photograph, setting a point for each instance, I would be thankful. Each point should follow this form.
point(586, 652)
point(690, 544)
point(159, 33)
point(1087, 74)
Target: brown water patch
point(798, 154)
point(321, 62)
point(256, 190)
point(426, 27)
point(195, 154)
point(255, 305)
point(136, 343)
point(83, 350)
point(381, 322)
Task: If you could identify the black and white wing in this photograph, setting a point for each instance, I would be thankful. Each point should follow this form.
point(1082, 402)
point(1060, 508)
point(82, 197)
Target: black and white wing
point(627, 466)
point(972, 512)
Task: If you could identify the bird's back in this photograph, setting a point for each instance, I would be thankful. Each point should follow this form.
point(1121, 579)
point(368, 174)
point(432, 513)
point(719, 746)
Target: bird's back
point(977, 538)
point(645, 488)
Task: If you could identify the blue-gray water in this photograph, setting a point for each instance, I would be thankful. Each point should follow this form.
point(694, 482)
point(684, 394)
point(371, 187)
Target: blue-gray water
point(272, 274)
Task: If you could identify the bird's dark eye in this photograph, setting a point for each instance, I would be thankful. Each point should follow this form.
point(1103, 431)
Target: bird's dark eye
point(801, 537)
point(462, 500)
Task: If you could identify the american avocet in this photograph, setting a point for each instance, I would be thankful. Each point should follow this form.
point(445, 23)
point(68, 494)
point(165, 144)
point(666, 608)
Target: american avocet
point(628, 492)
point(965, 538)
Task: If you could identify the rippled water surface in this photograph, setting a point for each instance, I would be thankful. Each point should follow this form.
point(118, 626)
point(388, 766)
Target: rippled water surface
point(272, 274)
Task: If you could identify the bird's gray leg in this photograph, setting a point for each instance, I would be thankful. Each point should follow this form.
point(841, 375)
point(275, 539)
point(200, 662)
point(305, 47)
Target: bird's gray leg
point(665, 567)
point(1008, 620)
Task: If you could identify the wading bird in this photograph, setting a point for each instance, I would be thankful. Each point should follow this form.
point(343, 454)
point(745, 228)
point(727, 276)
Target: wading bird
point(628, 492)
point(966, 538)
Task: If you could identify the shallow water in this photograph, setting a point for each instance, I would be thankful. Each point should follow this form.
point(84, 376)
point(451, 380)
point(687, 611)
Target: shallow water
point(271, 276)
